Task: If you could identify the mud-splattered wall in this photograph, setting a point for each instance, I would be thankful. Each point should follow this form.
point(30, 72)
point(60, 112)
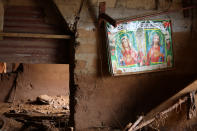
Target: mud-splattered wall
point(102, 100)
point(35, 80)
point(105, 101)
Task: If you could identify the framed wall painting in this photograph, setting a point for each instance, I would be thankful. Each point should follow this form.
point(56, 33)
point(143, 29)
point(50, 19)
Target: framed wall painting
point(139, 46)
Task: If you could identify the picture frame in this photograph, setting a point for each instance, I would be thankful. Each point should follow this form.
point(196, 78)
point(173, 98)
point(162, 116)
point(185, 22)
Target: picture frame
point(139, 46)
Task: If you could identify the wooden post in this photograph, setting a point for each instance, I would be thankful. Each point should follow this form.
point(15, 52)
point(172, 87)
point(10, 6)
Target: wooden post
point(101, 11)
point(103, 16)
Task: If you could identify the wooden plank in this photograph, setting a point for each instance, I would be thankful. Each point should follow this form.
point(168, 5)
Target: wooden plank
point(191, 87)
point(32, 35)
point(108, 19)
point(167, 106)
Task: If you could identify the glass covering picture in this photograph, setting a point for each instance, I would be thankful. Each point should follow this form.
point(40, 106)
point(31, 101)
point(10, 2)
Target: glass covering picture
point(140, 46)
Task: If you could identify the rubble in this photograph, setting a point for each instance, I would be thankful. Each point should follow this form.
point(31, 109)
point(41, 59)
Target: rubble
point(45, 112)
point(55, 101)
point(45, 99)
point(9, 124)
point(43, 104)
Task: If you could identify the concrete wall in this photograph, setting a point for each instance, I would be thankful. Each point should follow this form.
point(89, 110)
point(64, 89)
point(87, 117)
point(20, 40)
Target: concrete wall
point(103, 100)
point(37, 79)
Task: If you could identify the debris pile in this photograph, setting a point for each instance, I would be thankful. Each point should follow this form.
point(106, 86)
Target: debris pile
point(45, 112)
point(43, 104)
point(56, 101)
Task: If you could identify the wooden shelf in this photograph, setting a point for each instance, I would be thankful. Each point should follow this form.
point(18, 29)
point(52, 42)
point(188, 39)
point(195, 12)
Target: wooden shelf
point(32, 35)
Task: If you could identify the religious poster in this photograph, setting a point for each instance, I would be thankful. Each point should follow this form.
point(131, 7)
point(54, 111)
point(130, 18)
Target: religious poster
point(140, 46)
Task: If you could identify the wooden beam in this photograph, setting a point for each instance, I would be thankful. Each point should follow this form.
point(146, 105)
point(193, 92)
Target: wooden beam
point(108, 19)
point(32, 35)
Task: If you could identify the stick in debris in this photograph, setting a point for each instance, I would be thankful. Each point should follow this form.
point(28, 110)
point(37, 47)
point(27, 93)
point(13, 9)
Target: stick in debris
point(136, 123)
point(127, 126)
point(181, 101)
point(192, 105)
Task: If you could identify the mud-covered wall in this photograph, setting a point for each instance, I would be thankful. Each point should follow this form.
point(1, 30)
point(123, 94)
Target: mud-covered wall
point(106, 101)
point(103, 100)
point(35, 80)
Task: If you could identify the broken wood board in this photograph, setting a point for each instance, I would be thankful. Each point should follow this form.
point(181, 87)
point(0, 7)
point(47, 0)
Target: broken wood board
point(169, 107)
point(173, 99)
